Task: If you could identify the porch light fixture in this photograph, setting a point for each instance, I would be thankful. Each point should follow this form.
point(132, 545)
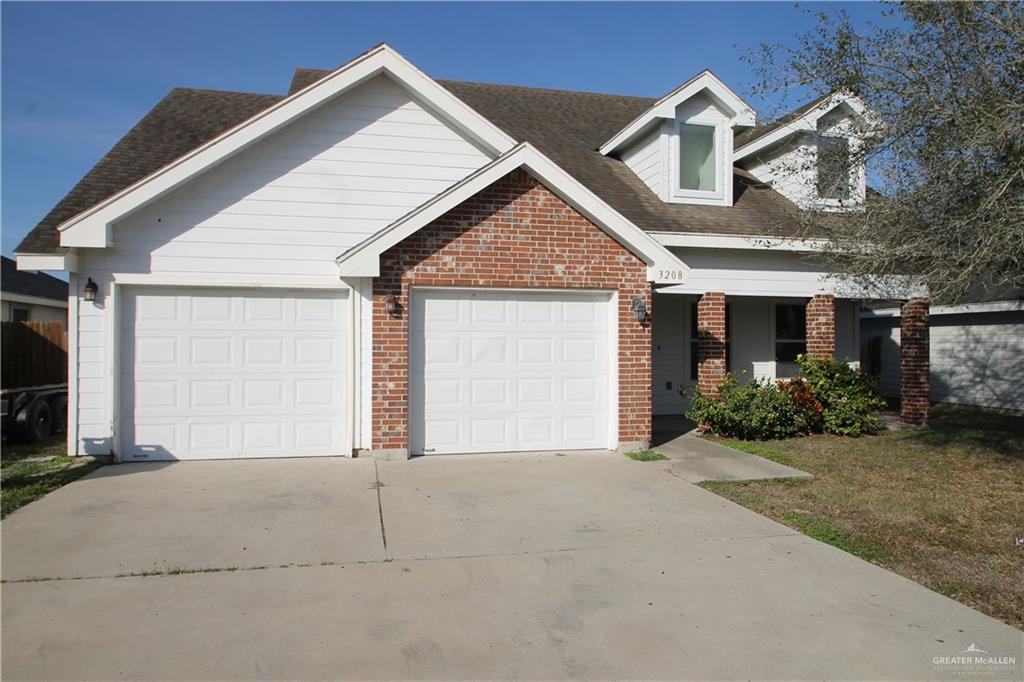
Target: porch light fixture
point(90, 290)
point(639, 309)
point(392, 305)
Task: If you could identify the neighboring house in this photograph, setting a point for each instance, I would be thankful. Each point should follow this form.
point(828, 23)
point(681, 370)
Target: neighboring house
point(976, 349)
point(31, 296)
point(383, 262)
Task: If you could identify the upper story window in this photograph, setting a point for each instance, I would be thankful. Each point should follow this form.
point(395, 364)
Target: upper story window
point(697, 157)
point(833, 181)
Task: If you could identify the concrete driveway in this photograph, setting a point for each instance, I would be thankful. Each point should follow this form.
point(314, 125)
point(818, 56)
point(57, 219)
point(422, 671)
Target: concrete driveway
point(531, 567)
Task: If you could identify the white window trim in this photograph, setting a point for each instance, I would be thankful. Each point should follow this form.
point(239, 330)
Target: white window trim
point(721, 195)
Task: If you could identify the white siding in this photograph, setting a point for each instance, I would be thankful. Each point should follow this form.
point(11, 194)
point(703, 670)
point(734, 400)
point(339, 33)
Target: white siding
point(975, 358)
point(646, 159)
point(295, 201)
point(278, 213)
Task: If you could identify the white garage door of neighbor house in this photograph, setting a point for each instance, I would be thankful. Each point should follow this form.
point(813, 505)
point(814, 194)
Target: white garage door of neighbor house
point(211, 374)
point(509, 371)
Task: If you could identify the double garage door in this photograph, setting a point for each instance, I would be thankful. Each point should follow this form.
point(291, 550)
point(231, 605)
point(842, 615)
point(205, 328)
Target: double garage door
point(213, 373)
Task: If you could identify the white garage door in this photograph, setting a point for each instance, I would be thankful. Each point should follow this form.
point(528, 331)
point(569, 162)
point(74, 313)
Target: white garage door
point(505, 371)
point(210, 373)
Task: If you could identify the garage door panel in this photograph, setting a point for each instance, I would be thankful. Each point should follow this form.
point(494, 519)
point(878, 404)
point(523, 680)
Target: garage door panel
point(224, 374)
point(501, 371)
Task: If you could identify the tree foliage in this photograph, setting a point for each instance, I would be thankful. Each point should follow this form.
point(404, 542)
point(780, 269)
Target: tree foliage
point(947, 165)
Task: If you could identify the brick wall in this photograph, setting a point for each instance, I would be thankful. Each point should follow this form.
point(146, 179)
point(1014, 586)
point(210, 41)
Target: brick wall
point(821, 326)
point(710, 342)
point(915, 382)
point(515, 233)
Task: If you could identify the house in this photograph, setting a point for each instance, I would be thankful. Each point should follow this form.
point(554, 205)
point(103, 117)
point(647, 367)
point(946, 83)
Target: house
point(380, 262)
point(31, 296)
point(975, 349)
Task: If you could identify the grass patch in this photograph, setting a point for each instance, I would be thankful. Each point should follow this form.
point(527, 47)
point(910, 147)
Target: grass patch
point(758, 448)
point(646, 456)
point(941, 506)
point(29, 471)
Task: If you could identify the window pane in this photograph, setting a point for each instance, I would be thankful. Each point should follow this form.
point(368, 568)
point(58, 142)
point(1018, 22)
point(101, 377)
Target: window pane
point(696, 157)
point(833, 168)
point(790, 322)
point(19, 315)
point(786, 351)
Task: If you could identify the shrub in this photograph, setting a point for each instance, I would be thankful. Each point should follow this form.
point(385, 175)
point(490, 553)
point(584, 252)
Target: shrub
point(848, 396)
point(757, 411)
point(804, 400)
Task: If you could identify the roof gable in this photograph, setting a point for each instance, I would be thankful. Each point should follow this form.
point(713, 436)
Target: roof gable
point(665, 108)
point(363, 260)
point(92, 227)
point(802, 119)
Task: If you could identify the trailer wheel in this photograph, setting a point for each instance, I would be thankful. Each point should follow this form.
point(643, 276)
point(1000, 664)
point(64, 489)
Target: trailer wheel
point(59, 408)
point(40, 421)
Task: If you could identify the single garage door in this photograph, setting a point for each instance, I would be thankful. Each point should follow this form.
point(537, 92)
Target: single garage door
point(506, 371)
point(213, 373)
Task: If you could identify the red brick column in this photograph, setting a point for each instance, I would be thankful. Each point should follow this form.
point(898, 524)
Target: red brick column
point(915, 383)
point(710, 342)
point(821, 326)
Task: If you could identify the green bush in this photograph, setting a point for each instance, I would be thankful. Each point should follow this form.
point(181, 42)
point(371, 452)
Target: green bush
point(757, 411)
point(848, 396)
point(829, 397)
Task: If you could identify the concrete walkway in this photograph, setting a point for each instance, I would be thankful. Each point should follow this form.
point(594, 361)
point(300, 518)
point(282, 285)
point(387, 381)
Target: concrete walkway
point(583, 566)
point(696, 459)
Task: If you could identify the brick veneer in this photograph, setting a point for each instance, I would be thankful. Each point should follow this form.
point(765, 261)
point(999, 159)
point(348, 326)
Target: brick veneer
point(710, 342)
point(821, 326)
point(515, 233)
point(915, 383)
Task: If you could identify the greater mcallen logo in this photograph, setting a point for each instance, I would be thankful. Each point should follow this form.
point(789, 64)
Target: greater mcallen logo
point(975, 661)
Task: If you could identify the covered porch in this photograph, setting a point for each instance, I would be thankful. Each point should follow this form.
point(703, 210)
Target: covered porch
point(752, 314)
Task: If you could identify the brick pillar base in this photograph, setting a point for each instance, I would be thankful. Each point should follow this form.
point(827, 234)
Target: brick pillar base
point(915, 383)
point(710, 342)
point(821, 326)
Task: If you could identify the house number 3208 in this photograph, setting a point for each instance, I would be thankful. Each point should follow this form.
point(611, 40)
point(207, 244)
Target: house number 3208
point(671, 274)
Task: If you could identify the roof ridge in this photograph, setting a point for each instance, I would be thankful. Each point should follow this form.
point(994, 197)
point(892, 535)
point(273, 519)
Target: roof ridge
point(534, 87)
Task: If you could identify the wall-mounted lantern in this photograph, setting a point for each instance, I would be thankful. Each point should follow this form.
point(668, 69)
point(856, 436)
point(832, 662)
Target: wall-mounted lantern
point(391, 305)
point(639, 310)
point(90, 290)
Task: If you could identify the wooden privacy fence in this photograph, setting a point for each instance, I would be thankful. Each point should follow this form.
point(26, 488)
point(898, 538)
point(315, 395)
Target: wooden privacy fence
point(33, 354)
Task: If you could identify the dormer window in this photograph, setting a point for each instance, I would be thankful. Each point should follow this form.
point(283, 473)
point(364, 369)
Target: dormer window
point(833, 181)
point(697, 154)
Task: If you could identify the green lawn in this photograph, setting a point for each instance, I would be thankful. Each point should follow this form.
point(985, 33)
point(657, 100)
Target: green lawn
point(944, 507)
point(24, 478)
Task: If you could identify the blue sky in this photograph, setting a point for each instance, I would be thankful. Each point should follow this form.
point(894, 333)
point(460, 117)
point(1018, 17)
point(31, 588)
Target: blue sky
point(77, 76)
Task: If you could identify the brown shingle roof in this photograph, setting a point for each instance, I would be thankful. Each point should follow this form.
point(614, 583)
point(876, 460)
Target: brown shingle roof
point(567, 126)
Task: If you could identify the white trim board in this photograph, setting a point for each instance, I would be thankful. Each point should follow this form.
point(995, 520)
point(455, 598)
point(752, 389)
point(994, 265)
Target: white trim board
point(963, 308)
point(67, 262)
point(665, 108)
point(363, 260)
point(92, 228)
point(11, 297)
point(730, 241)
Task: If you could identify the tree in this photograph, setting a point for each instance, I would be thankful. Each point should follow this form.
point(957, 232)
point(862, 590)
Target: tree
point(947, 165)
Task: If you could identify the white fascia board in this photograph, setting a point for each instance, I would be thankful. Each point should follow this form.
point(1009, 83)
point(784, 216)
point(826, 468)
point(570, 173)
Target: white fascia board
point(92, 227)
point(808, 123)
point(963, 308)
point(33, 300)
point(740, 283)
point(56, 262)
point(363, 260)
point(742, 113)
point(731, 241)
